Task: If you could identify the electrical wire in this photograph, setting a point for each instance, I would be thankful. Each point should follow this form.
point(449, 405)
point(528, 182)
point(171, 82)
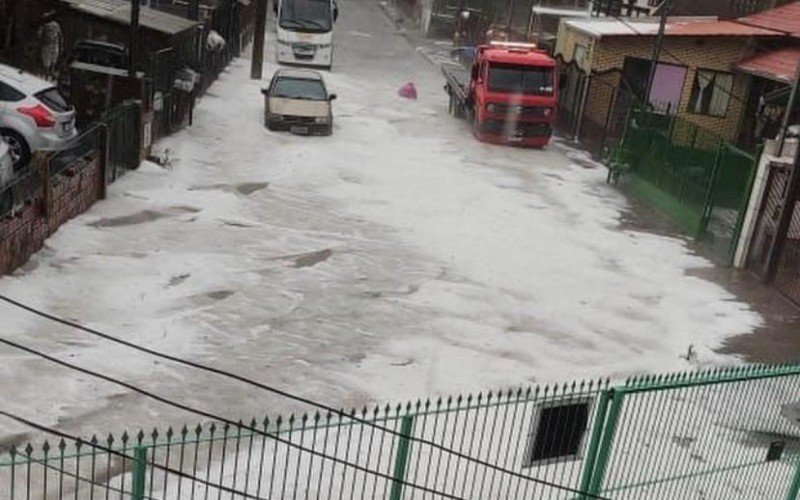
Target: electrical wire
point(64, 435)
point(288, 395)
point(219, 418)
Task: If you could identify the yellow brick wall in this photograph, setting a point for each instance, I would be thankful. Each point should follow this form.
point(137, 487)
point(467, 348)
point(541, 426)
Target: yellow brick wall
point(566, 42)
point(717, 53)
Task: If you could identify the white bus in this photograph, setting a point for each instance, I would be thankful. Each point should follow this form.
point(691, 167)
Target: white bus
point(305, 32)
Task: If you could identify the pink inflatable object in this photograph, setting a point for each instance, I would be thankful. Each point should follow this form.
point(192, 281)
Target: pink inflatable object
point(409, 91)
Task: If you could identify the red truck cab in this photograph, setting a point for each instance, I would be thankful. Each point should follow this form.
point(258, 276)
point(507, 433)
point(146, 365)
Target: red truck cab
point(514, 94)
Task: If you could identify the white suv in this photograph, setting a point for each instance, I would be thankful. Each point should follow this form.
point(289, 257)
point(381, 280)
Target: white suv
point(33, 115)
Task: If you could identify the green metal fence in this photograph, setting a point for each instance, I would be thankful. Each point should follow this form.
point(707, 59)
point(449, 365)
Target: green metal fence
point(716, 434)
point(700, 180)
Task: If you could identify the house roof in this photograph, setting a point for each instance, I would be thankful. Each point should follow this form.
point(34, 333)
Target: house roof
point(717, 28)
point(785, 19)
point(119, 11)
point(676, 26)
point(778, 65)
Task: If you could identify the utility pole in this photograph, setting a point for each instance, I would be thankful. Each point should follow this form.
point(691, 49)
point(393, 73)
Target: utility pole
point(194, 10)
point(257, 63)
point(662, 25)
point(788, 112)
point(134, 36)
point(510, 19)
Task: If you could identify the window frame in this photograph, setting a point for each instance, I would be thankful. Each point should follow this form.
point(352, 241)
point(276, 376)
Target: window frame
point(713, 83)
point(528, 461)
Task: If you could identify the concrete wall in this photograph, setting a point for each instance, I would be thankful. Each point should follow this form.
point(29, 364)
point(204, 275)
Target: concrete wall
point(25, 233)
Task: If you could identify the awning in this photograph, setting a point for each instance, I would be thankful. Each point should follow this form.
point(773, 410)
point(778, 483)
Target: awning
point(778, 65)
point(119, 11)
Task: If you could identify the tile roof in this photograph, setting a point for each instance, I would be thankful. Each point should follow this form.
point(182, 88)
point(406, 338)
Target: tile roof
point(676, 26)
point(779, 64)
point(785, 19)
point(717, 28)
point(120, 11)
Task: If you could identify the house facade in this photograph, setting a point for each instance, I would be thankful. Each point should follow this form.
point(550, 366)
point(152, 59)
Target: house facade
point(606, 68)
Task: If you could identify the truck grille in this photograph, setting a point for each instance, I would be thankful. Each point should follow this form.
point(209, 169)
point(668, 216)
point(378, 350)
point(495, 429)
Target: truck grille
point(515, 129)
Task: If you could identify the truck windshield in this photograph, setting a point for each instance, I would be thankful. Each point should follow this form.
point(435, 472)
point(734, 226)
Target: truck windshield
point(306, 15)
point(300, 88)
point(520, 79)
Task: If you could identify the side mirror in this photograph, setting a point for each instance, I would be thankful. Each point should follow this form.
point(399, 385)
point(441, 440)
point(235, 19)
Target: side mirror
point(332, 97)
point(265, 91)
point(335, 12)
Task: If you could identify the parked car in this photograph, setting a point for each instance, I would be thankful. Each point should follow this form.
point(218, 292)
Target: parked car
point(6, 176)
point(33, 115)
point(298, 101)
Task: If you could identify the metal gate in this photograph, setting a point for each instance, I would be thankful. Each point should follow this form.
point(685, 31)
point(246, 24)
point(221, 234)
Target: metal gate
point(124, 138)
point(787, 277)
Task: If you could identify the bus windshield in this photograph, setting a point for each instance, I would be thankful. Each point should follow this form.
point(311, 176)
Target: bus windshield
point(306, 15)
point(520, 79)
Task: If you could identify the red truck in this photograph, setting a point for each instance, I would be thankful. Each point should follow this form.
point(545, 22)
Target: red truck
point(510, 95)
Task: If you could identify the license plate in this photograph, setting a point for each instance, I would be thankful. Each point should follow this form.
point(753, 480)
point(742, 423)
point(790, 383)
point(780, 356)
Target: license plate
point(299, 130)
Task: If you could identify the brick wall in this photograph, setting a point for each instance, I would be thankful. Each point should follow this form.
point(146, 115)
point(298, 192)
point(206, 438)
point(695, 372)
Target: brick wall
point(72, 194)
point(715, 53)
point(609, 53)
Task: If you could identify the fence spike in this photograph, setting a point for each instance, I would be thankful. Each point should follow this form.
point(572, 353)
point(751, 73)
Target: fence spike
point(253, 423)
point(305, 418)
point(46, 445)
point(62, 445)
point(154, 434)
point(427, 404)
point(12, 451)
point(170, 432)
point(317, 416)
point(212, 428)
point(110, 440)
point(29, 449)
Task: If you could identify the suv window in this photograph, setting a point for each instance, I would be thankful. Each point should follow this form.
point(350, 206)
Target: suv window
point(10, 94)
point(53, 100)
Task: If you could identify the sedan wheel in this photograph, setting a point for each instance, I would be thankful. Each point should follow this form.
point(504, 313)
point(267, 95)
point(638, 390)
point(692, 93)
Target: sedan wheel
point(20, 152)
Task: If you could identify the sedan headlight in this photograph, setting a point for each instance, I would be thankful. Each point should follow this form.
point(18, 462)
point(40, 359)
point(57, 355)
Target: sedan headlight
point(321, 119)
point(273, 116)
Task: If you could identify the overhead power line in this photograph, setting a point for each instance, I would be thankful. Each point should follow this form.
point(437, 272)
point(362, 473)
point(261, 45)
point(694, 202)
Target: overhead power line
point(281, 392)
point(219, 418)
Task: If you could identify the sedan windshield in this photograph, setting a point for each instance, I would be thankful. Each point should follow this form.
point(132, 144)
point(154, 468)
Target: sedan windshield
point(300, 88)
point(306, 15)
point(520, 79)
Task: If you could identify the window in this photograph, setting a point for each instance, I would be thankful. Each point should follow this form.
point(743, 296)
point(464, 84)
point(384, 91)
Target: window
point(523, 79)
point(306, 15)
point(299, 88)
point(558, 432)
point(711, 92)
point(8, 94)
point(53, 100)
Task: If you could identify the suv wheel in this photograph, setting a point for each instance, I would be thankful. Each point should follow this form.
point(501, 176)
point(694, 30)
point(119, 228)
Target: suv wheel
point(20, 151)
